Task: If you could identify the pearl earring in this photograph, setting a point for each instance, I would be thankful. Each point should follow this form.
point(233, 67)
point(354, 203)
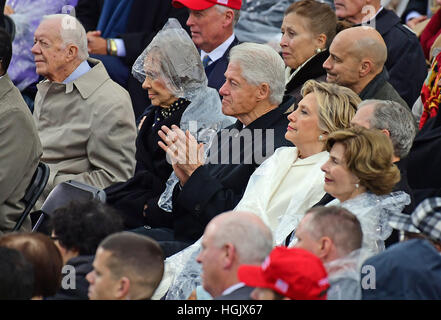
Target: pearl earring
point(318, 50)
point(320, 138)
point(357, 185)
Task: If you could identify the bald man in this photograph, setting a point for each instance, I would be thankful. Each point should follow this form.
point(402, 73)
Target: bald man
point(229, 240)
point(356, 60)
point(405, 58)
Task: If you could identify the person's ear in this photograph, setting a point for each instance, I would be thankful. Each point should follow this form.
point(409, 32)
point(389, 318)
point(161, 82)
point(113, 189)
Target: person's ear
point(263, 91)
point(122, 288)
point(325, 247)
point(366, 66)
point(229, 255)
point(320, 41)
point(72, 52)
point(386, 132)
point(229, 17)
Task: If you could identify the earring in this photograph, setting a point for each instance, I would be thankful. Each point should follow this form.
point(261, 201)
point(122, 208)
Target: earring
point(318, 50)
point(357, 185)
point(320, 138)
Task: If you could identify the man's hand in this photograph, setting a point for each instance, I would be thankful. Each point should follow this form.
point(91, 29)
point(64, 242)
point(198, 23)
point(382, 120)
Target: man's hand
point(413, 22)
point(184, 151)
point(95, 43)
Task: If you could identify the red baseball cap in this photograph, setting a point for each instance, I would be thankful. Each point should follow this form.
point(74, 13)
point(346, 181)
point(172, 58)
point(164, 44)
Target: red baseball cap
point(205, 4)
point(293, 272)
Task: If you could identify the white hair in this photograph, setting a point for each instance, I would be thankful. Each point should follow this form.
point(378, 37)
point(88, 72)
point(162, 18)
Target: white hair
point(71, 32)
point(261, 64)
point(222, 9)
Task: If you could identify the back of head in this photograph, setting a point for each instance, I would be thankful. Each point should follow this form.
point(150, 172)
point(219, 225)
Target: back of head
point(338, 224)
point(44, 256)
point(321, 17)
point(395, 118)
point(5, 51)
point(82, 226)
point(138, 258)
point(261, 64)
point(175, 60)
point(16, 275)
point(247, 232)
point(368, 154)
point(337, 104)
point(71, 32)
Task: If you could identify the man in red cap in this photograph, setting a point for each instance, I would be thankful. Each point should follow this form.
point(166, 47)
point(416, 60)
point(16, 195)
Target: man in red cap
point(211, 24)
point(287, 273)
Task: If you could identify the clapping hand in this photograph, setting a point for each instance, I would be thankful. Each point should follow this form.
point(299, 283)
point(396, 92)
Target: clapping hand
point(185, 152)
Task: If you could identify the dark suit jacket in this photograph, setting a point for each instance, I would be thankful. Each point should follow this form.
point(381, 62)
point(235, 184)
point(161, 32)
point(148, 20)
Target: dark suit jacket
point(405, 58)
point(215, 71)
point(218, 187)
point(379, 88)
point(242, 293)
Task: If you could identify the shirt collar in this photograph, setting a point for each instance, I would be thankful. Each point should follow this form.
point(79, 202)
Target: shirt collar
point(78, 72)
point(220, 50)
point(233, 288)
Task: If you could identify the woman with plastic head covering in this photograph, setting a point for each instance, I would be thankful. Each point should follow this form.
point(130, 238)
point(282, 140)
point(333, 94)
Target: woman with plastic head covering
point(170, 69)
point(360, 175)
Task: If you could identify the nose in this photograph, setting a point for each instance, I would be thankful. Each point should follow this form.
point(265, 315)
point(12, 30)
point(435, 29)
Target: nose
point(327, 64)
point(90, 277)
point(223, 91)
point(254, 294)
point(324, 167)
point(190, 20)
point(292, 117)
point(283, 42)
point(35, 49)
point(146, 84)
point(199, 257)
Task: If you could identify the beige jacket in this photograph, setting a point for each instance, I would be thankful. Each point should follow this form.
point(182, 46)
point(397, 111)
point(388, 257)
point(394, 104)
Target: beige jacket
point(20, 152)
point(87, 128)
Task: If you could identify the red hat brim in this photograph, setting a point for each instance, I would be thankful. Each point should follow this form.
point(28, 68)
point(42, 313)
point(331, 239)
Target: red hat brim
point(193, 4)
point(252, 276)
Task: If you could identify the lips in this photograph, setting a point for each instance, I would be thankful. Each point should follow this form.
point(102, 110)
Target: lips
point(327, 180)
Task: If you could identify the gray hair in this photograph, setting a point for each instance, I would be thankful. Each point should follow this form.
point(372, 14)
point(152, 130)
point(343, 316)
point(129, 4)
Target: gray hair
point(71, 32)
point(261, 64)
point(252, 239)
point(397, 119)
point(222, 9)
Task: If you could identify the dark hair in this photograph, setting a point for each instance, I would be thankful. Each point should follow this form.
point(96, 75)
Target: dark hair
point(46, 260)
point(83, 225)
point(5, 49)
point(16, 275)
point(339, 224)
point(322, 18)
point(137, 257)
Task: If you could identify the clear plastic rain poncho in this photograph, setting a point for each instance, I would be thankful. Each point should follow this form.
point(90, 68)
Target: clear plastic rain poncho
point(172, 57)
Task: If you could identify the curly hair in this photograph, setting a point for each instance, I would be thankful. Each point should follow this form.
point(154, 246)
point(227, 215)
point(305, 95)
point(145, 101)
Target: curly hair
point(337, 105)
point(368, 154)
point(83, 225)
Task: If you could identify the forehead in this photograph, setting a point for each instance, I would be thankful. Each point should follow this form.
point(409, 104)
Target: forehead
point(339, 45)
point(101, 258)
point(48, 28)
point(234, 70)
point(364, 114)
point(337, 151)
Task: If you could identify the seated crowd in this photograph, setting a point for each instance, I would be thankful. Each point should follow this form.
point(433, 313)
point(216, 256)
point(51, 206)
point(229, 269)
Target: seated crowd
point(216, 163)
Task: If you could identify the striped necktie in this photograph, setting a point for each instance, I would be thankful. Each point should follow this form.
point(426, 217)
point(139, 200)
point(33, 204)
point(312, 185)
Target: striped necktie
point(206, 61)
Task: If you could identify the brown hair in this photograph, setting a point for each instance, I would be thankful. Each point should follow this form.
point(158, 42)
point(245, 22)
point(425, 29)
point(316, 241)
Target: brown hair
point(368, 154)
point(41, 251)
point(322, 18)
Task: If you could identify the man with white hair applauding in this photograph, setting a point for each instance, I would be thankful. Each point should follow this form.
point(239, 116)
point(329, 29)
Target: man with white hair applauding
point(84, 119)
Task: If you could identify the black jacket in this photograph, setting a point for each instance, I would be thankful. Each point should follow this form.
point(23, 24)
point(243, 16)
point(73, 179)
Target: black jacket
point(215, 71)
point(82, 266)
point(313, 69)
point(216, 188)
point(379, 88)
point(152, 172)
point(405, 58)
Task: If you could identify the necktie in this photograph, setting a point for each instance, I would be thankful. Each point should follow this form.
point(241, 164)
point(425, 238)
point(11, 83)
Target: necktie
point(206, 61)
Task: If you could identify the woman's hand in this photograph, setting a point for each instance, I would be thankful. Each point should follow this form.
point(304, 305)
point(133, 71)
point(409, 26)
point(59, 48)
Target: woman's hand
point(185, 152)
